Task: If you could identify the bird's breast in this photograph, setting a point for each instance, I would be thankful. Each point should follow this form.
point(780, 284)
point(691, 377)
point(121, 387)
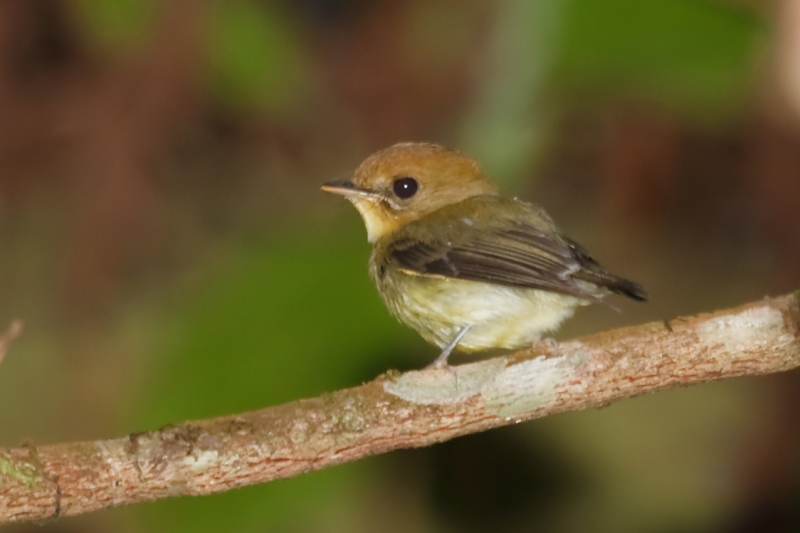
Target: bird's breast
point(498, 316)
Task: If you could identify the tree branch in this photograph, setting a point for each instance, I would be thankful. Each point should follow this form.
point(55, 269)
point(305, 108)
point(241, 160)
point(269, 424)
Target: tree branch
point(396, 410)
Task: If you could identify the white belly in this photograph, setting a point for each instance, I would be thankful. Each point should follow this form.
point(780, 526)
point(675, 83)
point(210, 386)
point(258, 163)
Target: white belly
point(497, 316)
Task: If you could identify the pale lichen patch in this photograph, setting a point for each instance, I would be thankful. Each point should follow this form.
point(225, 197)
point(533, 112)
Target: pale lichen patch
point(436, 386)
point(748, 330)
point(200, 460)
point(531, 384)
point(299, 432)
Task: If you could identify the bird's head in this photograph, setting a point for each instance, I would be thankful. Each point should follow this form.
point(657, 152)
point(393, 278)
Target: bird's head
point(408, 181)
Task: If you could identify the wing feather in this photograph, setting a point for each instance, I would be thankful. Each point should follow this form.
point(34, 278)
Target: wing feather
point(516, 255)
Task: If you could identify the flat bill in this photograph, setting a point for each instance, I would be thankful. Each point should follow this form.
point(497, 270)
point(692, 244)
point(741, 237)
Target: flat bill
point(343, 187)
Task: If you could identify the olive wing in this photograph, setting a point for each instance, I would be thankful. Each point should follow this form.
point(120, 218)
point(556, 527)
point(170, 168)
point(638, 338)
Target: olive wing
point(518, 255)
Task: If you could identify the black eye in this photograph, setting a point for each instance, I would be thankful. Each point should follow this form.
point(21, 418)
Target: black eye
point(405, 188)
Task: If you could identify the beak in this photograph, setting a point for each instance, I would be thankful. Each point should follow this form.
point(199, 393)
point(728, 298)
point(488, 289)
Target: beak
point(343, 187)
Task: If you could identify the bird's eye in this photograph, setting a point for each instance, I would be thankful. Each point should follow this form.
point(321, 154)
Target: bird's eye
point(405, 188)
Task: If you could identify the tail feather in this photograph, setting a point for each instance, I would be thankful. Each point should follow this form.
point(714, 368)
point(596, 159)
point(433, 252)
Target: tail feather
point(615, 284)
point(592, 271)
point(630, 289)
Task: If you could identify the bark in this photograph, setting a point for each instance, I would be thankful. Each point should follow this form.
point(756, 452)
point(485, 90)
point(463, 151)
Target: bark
point(397, 410)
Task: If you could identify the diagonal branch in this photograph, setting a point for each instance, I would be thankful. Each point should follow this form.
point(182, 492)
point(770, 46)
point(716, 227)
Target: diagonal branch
point(397, 411)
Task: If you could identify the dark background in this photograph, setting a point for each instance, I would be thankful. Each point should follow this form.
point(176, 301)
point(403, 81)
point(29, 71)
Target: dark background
point(163, 237)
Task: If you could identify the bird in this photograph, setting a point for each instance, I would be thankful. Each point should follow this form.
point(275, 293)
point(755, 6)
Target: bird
point(468, 269)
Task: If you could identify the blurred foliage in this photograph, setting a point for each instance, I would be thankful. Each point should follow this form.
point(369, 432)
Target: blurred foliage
point(117, 24)
point(255, 54)
point(696, 56)
point(279, 321)
point(507, 128)
point(256, 57)
point(654, 476)
point(438, 36)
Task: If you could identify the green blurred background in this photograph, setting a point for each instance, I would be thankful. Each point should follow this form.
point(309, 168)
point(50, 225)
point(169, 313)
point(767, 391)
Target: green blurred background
point(163, 237)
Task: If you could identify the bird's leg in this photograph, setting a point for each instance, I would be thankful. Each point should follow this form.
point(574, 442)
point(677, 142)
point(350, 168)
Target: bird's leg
point(441, 361)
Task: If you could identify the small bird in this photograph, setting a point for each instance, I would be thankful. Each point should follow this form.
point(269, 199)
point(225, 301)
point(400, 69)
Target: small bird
point(463, 266)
